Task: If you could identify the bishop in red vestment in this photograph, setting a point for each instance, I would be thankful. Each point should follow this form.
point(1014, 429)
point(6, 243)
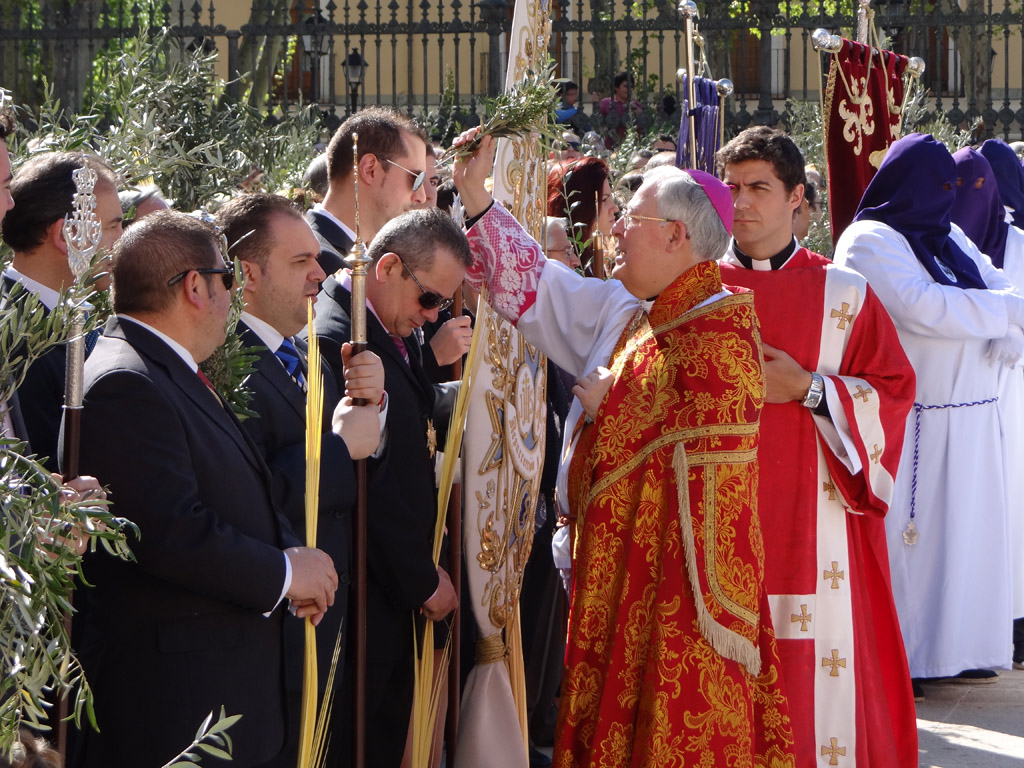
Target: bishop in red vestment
point(839, 391)
point(671, 659)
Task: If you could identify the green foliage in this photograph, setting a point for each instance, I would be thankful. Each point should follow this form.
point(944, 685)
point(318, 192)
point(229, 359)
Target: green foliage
point(168, 121)
point(210, 740)
point(442, 124)
point(619, 163)
point(527, 108)
point(917, 119)
point(232, 362)
point(803, 124)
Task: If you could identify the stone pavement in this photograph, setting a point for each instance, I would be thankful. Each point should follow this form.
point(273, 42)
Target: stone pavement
point(973, 726)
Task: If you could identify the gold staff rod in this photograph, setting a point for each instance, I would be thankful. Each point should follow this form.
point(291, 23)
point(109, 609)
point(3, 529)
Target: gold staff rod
point(688, 10)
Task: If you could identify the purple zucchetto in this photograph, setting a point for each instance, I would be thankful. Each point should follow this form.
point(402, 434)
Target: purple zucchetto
point(913, 193)
point(1009, 177)
point(718, 193)
point(977, 210)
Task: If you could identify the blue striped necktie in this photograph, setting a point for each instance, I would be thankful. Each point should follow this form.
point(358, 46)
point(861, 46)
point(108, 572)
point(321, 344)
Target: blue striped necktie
point(289, 357)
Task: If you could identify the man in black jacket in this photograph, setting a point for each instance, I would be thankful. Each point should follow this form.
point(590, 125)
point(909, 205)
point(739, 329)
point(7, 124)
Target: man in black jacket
point(194, 623)
point(34, 229)
point(392, 178)
point(419, 259)
point(278, 252)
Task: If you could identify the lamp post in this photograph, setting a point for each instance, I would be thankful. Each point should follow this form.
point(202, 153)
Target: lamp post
point(316, 44)
point(355, 71)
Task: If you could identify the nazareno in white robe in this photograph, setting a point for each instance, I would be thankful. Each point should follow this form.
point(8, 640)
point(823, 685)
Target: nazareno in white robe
point(1011, 408)
point(952, 587)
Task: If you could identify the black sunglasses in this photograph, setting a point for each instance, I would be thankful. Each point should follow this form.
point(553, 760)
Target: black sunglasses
point(417, 178)
point(428, 299)
point(227, 275)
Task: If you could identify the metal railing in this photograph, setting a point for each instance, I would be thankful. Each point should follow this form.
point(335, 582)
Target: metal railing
point(424, 52)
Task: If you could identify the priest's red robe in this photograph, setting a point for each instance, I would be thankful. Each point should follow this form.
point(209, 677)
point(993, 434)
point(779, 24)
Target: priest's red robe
point(826, 483)
point(670, 659)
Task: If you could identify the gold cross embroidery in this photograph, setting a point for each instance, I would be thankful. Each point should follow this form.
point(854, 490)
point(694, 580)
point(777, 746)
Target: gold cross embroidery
point(803, 617)
point(830, 489)
point(863, 393)
point(833, 752)
point(834, 662)
point(843, 314)
point(835, 574)
point(877, 454)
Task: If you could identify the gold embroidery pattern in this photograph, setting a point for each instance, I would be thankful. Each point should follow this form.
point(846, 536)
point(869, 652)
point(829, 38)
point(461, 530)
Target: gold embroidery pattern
point(668, 587)
point(516, 400)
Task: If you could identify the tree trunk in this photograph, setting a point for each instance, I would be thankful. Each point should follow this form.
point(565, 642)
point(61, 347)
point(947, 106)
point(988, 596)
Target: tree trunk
point(258, 54)
point(67, 63)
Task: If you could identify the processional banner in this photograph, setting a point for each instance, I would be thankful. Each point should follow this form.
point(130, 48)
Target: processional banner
point(503, 454)
point(863, 112)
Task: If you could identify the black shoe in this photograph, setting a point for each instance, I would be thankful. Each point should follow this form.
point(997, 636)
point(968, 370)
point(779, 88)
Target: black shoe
point(918, 689)
point(973, 677)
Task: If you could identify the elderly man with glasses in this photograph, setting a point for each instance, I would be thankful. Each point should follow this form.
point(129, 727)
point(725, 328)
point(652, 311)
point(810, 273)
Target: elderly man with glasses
point(419, 260)
point(195, 621)
point(670, 657)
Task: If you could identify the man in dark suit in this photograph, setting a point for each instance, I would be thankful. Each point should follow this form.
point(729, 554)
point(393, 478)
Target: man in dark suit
point(34, 229)
point(279, 259)
point(195, 622)
point(419, 259)
point(392, 180)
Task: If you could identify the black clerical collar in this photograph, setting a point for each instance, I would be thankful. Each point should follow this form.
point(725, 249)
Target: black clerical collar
point(777, 261)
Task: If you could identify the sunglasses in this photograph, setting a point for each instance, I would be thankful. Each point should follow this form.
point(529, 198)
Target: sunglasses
point(428, 299)
point(227, 276)
point(417, 178)
point(574, 145)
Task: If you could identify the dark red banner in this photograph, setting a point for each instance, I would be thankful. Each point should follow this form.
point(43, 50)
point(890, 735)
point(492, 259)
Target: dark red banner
point(863, 102)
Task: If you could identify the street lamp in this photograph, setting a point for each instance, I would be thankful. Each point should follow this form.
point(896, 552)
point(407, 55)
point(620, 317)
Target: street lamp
point(355, 71)
point(316, 45)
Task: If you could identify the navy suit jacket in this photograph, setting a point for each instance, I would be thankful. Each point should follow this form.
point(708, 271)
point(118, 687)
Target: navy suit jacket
point(334, 243)
point(280, 436)
point(180, 631)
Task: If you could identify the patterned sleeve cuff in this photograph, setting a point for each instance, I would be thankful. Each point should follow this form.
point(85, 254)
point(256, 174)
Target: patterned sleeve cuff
point(507, 259)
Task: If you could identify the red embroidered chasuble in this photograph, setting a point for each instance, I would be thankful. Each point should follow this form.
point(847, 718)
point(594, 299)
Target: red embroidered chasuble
point(671, 659)
point(822, 499)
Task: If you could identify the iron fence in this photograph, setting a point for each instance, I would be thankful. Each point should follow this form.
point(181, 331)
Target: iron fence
point(426, 55)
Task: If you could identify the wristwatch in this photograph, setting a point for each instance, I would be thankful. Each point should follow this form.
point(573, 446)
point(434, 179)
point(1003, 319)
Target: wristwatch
point(815, 392)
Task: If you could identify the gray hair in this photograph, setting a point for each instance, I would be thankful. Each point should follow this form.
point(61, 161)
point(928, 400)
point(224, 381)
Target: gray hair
point(416, 234)
point(555, 222)
point(681, 198)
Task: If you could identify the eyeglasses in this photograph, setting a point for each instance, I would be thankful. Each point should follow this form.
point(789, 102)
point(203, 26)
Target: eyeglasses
point(428, 299)
point(227, 275)
point(574, 145)
point(569, 251)
point(631, 215)
point(417, 178)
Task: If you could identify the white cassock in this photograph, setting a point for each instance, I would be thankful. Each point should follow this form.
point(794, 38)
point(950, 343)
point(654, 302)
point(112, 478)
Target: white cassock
point(951, 587)
point(1011, 408)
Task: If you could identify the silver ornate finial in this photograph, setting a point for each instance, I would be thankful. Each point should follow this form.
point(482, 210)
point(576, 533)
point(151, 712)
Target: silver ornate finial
point(823, 40)
point(724, 87)
point(916, 66)
point(688, 9)
point(82, 228)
